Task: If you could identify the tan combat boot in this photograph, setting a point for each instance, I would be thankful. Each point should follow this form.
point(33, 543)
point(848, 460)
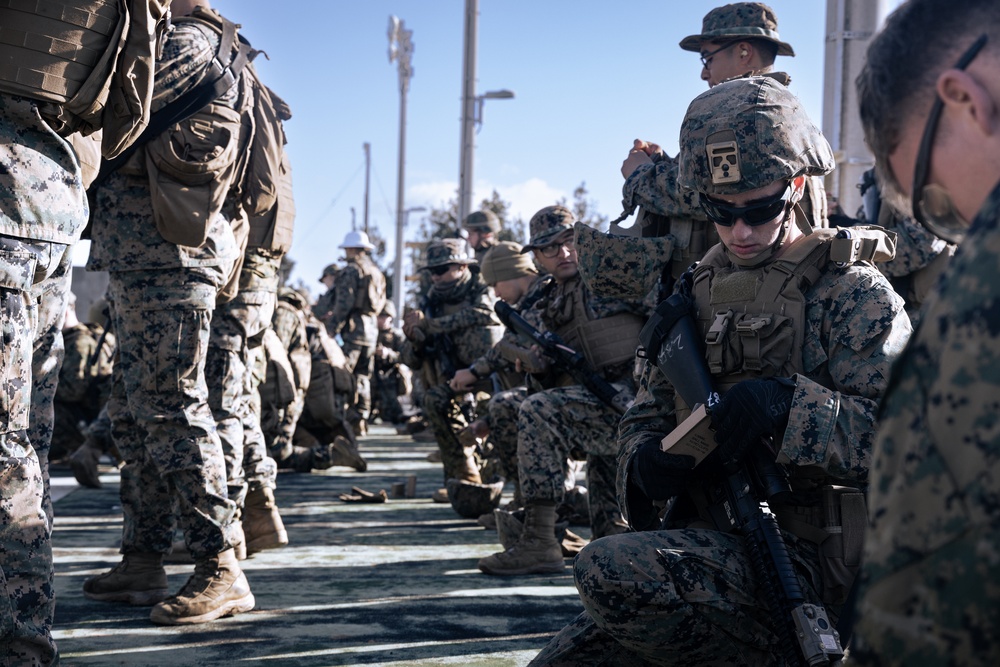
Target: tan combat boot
point(84, 464)
point(217, 588)
point(262, 524)
point(345, 453)
point(537, 551)
point(139, 579)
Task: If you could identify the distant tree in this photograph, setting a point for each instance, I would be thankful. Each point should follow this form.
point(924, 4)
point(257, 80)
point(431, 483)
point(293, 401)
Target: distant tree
point(585, 209)
point(377, 240)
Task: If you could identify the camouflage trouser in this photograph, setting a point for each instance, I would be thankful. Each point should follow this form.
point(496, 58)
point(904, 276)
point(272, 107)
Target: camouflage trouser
point(502, 410)
point(28, 270)
point(162, 423)
point(387, 389)
point(444, 415)
point(558, 424)
point(237, 327)
point(679, 597)
point(361, 362)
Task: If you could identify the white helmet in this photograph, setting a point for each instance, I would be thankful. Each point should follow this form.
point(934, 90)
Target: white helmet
point(356, 240)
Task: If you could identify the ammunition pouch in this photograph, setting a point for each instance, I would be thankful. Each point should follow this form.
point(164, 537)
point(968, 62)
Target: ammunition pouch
point(837, 527)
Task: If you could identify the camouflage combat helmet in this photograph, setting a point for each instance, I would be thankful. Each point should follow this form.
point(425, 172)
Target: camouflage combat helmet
point(389, 309)
point(747, 133)
point(749, 20)
point(482, 221)
point(447, 251)
point(547, 224)
point(505, 261)
point(330, 270)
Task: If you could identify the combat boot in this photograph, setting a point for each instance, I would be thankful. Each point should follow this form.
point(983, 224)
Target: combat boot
point(262, 524)
point(179, 554)
point(139, 579)
point(537, 551)
point(343, 452)
point(217, 588)
point(84, 464)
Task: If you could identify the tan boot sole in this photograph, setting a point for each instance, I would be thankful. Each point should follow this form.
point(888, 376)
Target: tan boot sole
point(230, 608)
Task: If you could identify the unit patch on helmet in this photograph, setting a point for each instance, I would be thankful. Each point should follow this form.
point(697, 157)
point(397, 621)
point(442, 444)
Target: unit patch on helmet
point(723, 157)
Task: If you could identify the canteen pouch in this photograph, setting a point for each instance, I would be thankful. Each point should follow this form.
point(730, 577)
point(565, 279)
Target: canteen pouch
point(191, 167)
point(846, 519)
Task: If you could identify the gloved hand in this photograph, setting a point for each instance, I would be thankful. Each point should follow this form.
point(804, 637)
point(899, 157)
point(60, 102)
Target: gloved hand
point(748, 412)
point(660, 475)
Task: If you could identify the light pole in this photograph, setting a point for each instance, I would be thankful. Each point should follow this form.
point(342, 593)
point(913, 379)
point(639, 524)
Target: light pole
point(400, 50)
point(397, 268)
point(472, 108)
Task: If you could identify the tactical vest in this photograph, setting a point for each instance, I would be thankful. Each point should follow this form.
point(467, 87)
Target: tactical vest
point(606, 343)
point(753, 320)
point(89, 63)
point(370, 298)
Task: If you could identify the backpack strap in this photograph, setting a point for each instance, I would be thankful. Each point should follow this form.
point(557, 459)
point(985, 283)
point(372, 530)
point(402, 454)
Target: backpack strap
point(233, 54)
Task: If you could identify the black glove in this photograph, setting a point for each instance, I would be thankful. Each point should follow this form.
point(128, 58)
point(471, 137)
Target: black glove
point(748, 412)
point(660, 475)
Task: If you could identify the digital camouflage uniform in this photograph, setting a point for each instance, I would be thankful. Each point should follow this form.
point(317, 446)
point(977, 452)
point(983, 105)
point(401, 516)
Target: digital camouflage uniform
point(84, 385)
point(164, 295)
point(283, 399)
point(459, 315)
point(483, 221)
point(358, 297)
point(688, 594)
point(929, 592)
point(44, 212)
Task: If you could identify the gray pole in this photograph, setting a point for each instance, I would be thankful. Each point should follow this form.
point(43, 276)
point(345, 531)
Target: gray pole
point(850, 26)
point(368, 165)
point(400, 49)
point(468, 109)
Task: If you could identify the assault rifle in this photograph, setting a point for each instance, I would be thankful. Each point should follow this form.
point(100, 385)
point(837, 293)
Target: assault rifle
point(565, 358)
point(737, 495)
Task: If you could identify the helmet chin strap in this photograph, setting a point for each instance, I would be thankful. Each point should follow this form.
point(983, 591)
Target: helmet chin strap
point(766, 255)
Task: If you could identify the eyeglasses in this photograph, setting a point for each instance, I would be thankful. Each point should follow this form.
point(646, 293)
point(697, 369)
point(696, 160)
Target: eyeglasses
point(440, 270)
point(754, 215)
point(551, 250)
point(706, 58)
point(932, 206)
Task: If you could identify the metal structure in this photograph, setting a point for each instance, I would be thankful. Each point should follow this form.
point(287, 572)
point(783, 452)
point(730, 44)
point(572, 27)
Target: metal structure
point(472, 108)
point(400, 51)
point(850, 26)
point(368, 167)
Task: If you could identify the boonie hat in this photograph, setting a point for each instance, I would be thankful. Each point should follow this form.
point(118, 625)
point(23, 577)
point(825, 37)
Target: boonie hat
point(751, 20)
point(447, 251)
point(547, 224)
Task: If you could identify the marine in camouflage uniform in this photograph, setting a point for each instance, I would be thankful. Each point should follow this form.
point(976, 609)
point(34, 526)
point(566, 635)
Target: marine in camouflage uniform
point(392, 383)
point(84, 382)
point(164, 285)
point(565, 419)
point(454, 326)
point(736, 39)
point(358, 297)
point(686, 592)
point(515, 279)
point(482, 228)
point(288, 366)
point(44, 212)
point(929, 592)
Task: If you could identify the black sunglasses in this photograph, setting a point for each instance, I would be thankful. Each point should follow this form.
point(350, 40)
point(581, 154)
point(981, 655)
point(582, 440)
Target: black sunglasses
point(754, 215)
point(440, 270)
point(932, 206)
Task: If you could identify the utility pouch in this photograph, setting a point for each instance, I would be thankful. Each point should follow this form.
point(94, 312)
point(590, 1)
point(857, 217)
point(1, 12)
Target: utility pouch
point(190, 170)
point(846, 519)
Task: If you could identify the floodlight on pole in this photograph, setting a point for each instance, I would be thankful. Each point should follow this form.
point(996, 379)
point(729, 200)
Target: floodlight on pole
point(490, 95)
point(400, 50)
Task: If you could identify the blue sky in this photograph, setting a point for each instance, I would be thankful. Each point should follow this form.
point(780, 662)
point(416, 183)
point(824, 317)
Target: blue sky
point(589, 76)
